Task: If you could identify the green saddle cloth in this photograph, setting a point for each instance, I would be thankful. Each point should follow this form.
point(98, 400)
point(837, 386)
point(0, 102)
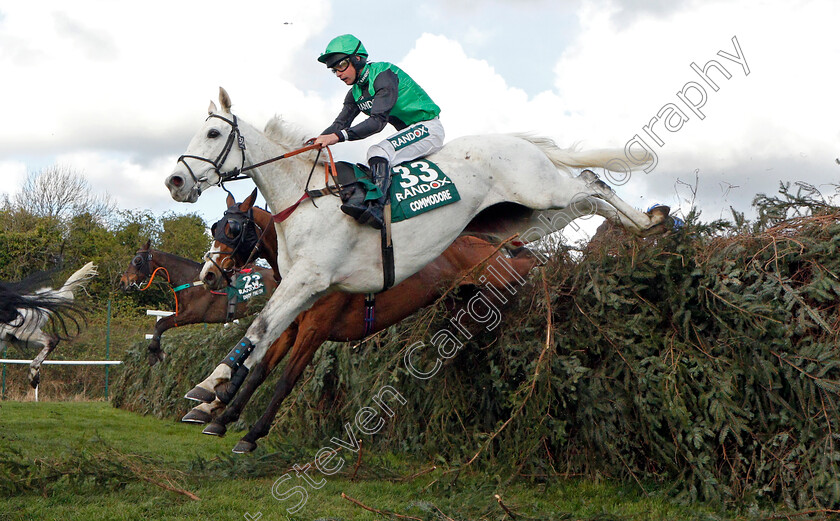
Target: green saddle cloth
point(417, 187)
point(246, 285)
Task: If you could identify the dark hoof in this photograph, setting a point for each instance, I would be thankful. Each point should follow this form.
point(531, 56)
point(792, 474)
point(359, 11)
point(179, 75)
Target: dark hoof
point(225, 392)
point(244, 447)
point(35, 380)
point(196, 416)
point(215, 429)
point(155, 357)
point(200, 394)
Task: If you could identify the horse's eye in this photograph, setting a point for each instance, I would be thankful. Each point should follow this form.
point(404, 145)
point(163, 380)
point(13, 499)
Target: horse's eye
point(137, 261)
point(213, 133)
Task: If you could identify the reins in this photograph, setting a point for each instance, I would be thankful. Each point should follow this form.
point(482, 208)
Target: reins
point(168, 281)
point(174, 290)
point(238, 173)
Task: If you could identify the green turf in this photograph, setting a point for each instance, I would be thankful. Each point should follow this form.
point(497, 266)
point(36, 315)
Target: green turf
point(91, 435)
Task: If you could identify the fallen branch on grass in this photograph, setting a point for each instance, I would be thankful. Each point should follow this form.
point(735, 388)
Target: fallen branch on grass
point(380, 512)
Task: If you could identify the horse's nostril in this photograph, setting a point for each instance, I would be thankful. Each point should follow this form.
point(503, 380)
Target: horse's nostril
point(177, 181)
point(209, 276)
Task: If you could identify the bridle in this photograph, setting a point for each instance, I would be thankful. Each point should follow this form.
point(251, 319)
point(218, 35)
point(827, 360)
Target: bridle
point(244, 239)
point(233, 135)
point(142, 262)
point(239, 173)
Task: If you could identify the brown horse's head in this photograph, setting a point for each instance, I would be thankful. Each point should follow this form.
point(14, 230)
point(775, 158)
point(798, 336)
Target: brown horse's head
point(138, 269)
point(237, 237)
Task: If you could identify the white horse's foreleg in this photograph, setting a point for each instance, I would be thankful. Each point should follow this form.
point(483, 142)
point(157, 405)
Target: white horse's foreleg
point(205, 391)
point(298, 291)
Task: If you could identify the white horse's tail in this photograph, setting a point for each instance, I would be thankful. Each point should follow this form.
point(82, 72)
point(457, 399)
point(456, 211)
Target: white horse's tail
point(77, 280)
point(568, 158)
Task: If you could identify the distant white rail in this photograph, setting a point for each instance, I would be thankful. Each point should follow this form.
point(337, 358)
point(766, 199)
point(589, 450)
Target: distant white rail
point(159, 314)
point(61, 362)
point(57, 362)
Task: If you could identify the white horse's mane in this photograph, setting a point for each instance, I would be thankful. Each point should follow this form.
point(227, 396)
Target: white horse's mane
point(286, 134)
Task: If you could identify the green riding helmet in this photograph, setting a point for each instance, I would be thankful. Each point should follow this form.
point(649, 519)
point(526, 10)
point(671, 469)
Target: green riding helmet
point(341, 47)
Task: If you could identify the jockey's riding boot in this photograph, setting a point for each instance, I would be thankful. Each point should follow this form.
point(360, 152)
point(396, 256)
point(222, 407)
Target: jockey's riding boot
point(374, 215)
point(355, 206)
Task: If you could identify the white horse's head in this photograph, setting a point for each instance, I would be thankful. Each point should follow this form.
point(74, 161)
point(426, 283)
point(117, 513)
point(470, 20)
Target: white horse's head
point(215, 153)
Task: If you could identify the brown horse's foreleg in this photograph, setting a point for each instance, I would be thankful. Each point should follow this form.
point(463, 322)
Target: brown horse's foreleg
point(310, 338)
point(275, 354)
point(156, 354)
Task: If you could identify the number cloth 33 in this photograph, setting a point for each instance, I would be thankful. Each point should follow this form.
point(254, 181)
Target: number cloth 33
point(416, 187)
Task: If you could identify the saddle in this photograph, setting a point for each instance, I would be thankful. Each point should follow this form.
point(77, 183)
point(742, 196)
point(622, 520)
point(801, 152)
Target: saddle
point(351, 187)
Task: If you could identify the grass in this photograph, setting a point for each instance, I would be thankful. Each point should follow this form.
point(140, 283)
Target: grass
point(112, 466)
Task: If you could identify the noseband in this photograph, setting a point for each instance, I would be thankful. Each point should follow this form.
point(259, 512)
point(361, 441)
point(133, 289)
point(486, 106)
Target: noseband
point(233, 135)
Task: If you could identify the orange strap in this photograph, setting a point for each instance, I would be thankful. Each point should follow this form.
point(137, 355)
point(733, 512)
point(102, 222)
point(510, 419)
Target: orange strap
point(152, 278)
point(327, 167)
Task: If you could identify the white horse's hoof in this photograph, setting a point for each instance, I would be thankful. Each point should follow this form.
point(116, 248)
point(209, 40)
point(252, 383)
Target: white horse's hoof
point(200, 394)
point(589, 176)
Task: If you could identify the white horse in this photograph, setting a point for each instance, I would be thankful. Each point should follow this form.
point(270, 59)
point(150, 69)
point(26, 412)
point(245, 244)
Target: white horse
point(33, 311)
point(320, 249)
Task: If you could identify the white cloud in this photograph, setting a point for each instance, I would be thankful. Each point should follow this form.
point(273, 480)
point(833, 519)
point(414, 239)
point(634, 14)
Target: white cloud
point(102, 68)
point(615, 79)
point(121, 100)
point(13, 174)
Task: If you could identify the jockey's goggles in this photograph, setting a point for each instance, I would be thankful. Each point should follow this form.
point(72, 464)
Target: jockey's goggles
point(341, 66)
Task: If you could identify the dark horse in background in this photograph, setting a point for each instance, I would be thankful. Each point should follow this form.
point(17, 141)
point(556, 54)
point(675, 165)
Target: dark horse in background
point(194, 304)
point(339, 317)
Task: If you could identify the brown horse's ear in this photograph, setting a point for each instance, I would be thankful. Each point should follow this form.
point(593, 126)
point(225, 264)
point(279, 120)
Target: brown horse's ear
point(230, 200)
point(148, 244)
point(224, 99)
point(249, 201)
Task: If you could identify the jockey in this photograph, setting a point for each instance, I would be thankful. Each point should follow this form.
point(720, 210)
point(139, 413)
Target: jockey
point(387, 95)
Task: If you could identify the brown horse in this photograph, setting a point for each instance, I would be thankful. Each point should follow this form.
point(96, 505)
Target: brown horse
point(337, 317)
point(194, 304)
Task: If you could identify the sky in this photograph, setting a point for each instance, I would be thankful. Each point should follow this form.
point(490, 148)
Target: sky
point(115, 91)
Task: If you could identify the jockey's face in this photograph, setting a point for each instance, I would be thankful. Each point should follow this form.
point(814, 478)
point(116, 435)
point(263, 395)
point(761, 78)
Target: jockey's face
point(348, 75)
